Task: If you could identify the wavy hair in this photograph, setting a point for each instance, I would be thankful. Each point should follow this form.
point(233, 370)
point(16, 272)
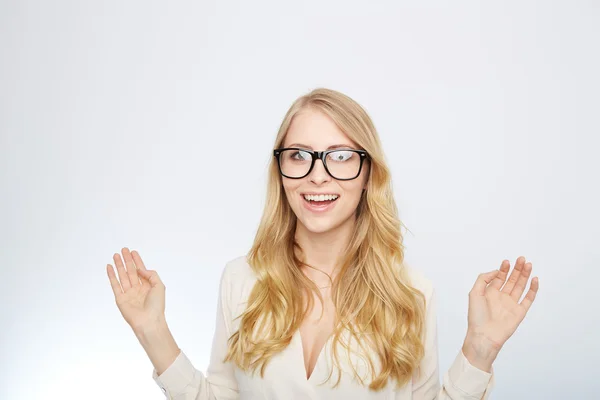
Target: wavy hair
point(374, 301)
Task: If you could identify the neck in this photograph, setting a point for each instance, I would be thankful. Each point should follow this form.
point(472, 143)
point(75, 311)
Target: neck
point(323, 250)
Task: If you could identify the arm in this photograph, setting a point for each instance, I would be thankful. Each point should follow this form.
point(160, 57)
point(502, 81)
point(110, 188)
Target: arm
point(461, 382)
point(181, 380)
point(494, 315)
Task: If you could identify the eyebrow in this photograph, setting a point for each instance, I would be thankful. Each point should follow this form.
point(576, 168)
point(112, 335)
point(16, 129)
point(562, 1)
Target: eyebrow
point(335, 146)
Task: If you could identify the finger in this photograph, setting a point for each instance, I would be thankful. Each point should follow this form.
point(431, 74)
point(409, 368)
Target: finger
point(151, 276)
point(502, 275)
point(514, 276)
point(531, 293)
point(137, 259)
point(130, 265)
point(123, 278)
point(114, 283)
point(482, 281)
point(521, 282)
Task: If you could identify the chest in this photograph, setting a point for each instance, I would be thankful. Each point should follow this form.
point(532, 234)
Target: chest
point(315, 331)
point(304, 368)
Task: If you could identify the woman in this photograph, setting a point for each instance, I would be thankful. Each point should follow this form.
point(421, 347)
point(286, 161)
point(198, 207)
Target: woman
point(324, 306)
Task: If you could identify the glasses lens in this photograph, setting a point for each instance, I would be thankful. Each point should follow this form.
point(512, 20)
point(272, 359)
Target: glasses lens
point(295, 163)
point(343, 164)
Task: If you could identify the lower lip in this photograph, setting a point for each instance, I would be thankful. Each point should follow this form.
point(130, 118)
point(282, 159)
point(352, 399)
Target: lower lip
point(318, 208)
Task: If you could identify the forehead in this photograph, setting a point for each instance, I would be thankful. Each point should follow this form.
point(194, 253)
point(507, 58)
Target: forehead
point(315, 129)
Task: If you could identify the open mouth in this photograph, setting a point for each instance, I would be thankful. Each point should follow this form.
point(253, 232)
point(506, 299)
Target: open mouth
point(319, 202)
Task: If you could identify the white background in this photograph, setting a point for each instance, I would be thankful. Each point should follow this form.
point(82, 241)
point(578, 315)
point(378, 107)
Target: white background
point(150, 125)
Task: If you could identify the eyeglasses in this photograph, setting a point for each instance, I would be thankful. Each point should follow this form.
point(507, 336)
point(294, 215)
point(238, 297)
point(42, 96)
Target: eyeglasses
point(340, 164)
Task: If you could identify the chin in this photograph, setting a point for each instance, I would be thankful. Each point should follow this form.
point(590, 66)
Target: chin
point(319, 225)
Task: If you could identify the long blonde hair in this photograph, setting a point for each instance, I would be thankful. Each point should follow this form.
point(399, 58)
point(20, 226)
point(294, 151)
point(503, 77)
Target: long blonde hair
point(372, 295)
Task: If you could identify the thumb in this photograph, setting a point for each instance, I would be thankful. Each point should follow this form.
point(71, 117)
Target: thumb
point(151, 276)
point(482, 281)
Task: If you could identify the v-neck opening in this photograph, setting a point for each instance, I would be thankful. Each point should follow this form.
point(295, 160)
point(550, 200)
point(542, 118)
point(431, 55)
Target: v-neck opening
point(321, 350)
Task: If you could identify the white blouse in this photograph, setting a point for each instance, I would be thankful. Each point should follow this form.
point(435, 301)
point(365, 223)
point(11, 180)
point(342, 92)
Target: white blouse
point(285, 374)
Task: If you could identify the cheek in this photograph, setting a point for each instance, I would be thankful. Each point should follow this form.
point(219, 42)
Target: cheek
point(290, 189)
point(352, 191)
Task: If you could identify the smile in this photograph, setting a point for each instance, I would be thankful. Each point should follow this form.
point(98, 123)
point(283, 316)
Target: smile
point(320, 197)
point(319, 203)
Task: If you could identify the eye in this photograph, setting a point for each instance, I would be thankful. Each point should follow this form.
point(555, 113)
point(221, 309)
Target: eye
point(300, 155)
point(340, 155)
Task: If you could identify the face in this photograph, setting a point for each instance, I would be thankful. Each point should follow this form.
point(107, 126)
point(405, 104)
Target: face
point(313, 130)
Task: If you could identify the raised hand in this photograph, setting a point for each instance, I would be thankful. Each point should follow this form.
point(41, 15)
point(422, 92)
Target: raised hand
point(495, 311)
point(140, 295)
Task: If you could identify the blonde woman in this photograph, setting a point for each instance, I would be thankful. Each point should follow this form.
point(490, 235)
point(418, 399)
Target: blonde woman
point(323, 306)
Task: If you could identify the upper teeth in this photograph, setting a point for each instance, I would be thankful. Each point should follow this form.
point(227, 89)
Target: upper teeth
point(320, 197)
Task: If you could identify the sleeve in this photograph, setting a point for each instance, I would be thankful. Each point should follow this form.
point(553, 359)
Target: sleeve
point(462, 381)
point(182, 381)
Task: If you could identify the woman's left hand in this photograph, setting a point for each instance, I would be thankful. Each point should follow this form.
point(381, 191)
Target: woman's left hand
point(495, 311)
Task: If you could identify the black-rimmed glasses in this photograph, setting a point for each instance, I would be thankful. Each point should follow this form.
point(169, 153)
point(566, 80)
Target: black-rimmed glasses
point(341, 164)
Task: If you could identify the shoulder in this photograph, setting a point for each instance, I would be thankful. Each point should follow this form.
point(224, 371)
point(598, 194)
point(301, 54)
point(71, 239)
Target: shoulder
point(237, 280)
point(238, 269)
point(417, 279)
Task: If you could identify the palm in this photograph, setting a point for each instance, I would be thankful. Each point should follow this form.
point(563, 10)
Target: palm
point(494, 311)
point(139, 305)
point(139, 300)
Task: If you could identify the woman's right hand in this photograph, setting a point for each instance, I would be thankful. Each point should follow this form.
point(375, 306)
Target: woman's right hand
point(141, 301)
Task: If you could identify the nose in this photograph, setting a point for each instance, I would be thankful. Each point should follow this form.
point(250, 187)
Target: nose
point(319, 175)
